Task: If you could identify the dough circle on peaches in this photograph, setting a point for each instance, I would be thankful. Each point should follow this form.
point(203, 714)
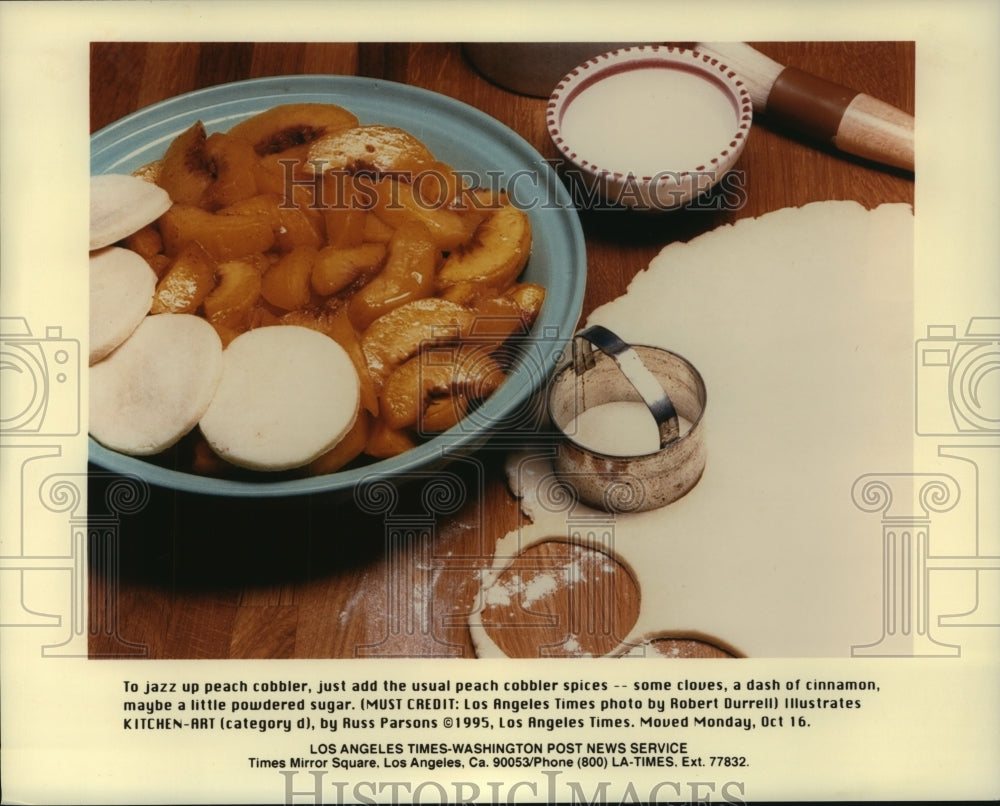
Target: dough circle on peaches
point(287, 395)
point(120, 204)
point(156, 385)
point(121, 291)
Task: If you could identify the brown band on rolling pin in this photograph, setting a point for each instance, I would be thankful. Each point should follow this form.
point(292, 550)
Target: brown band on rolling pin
point(808, 104)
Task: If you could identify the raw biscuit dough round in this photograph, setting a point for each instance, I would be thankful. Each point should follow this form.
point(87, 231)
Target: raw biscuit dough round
point(155, 387)
point(801, 323)
point(121, 204)
point(122, 285)
point(288, 394)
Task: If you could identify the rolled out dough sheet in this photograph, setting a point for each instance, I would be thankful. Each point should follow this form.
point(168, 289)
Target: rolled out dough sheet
point(801, 323)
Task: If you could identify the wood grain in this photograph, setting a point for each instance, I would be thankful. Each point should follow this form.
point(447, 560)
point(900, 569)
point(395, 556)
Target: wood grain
point(196, 577)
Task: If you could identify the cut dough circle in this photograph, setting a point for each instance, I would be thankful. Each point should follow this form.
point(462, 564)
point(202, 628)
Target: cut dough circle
point(287, 395)
point(121, 204)
point(121, 292)
point(155, 387)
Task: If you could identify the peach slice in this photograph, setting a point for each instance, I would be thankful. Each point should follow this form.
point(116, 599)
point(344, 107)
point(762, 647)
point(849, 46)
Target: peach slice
point(376, 230)
point(513, 312)
point(440, 414)
point(529, 297)
point(440, 185)
point(286, 284)
point(396, 203)
point(146, 242)
point(345, 226)
point(233, 300)
point(347, 450)
point(290, 224)
point(184, 171)
point(189, 278)
point(337, 267)
point(224, 236)
point(385, 442)
point(408, 274)
point(434, 374)
point(289, 126)
point(496, 255)
point(399, 335)
point(232, 163)
point(373, 148)
point(298, 228)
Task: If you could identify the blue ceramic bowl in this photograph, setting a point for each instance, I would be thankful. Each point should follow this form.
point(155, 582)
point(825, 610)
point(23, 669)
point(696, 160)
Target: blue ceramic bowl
point(456, 133)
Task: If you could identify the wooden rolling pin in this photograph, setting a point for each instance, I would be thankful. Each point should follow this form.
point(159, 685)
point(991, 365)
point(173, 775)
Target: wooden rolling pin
point(852, 121)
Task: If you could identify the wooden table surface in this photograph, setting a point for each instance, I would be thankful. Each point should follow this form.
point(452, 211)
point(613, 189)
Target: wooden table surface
point(190, 576)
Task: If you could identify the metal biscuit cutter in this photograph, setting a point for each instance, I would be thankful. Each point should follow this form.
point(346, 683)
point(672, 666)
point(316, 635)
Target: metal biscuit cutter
point(604, 369)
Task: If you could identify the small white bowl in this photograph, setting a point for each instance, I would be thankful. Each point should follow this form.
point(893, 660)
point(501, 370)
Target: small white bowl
point(649, 127)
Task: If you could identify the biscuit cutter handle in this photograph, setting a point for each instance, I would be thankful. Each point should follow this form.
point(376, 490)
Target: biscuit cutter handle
point(635, 371)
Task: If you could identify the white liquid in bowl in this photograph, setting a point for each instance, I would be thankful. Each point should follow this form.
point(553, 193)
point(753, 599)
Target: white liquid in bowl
point(649, 120)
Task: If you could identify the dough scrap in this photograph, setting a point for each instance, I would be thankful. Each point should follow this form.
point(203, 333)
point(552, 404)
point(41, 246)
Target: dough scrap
point(800, 321)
